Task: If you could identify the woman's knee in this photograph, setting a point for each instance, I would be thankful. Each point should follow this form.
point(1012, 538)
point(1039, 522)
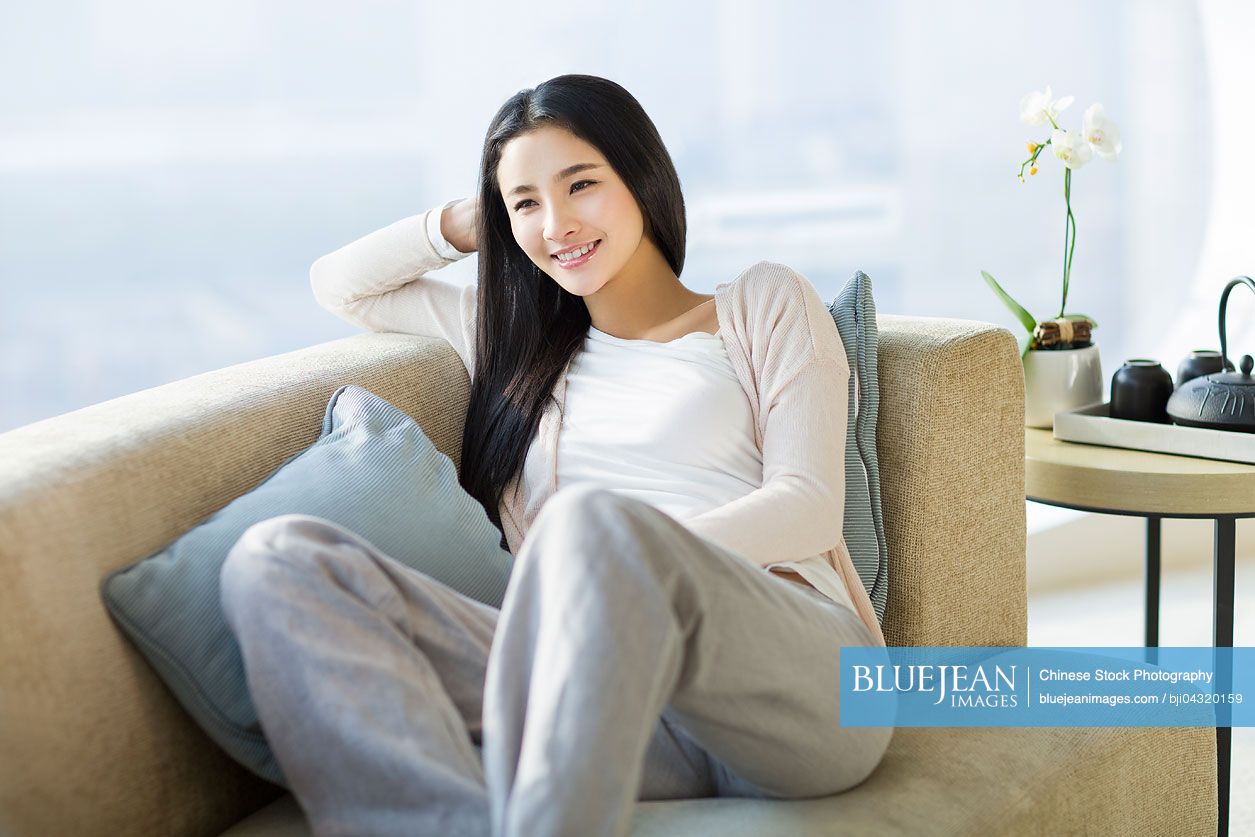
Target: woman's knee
point(269, 547)
point(571, 520)
point(578, 504)
point(583, 523)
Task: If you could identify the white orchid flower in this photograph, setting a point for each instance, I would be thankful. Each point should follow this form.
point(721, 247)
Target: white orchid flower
point(1071, 149)
point(1101, 133)
point(1037, 107)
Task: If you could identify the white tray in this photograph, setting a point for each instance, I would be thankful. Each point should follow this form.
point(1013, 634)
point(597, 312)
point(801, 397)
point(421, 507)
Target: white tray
point(1094, 425)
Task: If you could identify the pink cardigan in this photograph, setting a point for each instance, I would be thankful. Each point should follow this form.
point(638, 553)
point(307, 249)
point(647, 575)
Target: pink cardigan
point(783, 345)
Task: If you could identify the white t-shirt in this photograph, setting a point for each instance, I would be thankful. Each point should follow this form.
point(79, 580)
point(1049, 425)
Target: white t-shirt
point(667, 423)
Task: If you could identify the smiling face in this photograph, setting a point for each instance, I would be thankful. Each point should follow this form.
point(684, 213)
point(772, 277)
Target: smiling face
point(555, 204)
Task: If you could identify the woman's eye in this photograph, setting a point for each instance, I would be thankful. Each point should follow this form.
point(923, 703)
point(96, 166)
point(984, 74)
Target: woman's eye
point(523, 203)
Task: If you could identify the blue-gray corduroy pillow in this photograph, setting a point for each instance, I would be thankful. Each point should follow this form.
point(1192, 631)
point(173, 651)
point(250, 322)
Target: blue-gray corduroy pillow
point(372, 470)
point(854, 311)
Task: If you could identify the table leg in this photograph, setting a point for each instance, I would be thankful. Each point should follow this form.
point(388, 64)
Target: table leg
point(1222, 637)
point(1152, 580)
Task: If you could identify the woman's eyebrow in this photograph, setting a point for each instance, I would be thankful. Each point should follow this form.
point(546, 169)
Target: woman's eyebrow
point(566, 172)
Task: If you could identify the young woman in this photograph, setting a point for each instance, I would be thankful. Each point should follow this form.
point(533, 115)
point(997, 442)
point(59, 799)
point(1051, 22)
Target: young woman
point(667, 469)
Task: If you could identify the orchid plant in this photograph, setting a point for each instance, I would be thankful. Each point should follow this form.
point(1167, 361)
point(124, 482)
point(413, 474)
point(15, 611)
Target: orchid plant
point(1098, 135)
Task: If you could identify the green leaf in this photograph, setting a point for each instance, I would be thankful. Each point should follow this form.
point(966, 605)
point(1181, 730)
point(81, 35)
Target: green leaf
point(1026, 319)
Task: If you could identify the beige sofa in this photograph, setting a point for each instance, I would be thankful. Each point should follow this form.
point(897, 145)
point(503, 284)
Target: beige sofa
point(92, 743)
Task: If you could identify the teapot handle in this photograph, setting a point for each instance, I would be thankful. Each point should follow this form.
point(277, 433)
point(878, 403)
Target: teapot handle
point(1224, 302)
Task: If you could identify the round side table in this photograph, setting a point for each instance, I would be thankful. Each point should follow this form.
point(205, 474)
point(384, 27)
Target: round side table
point(1107, 480)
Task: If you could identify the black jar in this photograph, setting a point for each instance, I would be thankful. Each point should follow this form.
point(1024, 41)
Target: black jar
point(1200, 362)
point(1140, 390)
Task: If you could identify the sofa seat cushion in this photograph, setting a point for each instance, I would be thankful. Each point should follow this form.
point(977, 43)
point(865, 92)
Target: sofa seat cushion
point(954, 780)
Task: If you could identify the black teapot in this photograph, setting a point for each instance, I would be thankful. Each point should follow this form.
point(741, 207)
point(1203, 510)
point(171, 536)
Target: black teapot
point(1222, 400)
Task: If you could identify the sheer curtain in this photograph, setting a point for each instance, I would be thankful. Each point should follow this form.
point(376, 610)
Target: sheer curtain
point(168, 173)
point(1228, 248)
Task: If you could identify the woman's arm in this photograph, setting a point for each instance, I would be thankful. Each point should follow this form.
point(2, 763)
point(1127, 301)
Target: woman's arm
point(380, 282)
point(799, 509)
point(803, 379)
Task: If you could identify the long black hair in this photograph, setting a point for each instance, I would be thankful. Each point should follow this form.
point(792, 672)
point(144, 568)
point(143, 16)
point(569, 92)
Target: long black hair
point(528, 327)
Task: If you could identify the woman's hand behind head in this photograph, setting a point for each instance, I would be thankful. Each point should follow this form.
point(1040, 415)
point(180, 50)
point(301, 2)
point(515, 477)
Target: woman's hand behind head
point(459, 224)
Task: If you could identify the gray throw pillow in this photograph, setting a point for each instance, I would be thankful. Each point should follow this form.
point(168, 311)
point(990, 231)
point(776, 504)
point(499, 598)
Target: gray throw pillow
point(372, 470)
point(854, 311)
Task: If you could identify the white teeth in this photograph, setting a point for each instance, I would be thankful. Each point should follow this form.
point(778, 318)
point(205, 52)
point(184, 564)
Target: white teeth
point(575, 254)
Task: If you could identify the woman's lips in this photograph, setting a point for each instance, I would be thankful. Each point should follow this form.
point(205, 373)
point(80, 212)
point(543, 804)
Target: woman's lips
point(582, 259)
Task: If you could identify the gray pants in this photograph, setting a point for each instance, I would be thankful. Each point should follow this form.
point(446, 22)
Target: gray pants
point(630, 659)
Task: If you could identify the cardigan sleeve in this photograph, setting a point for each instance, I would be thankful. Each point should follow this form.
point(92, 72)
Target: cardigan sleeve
point(803, 378)
point(381, 282)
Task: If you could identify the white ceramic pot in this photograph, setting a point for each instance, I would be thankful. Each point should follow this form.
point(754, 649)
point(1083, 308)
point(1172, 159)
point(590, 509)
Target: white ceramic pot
point(1062, 379)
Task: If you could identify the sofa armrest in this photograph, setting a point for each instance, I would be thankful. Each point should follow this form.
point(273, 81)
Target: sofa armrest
point(950, 441)
point(92, 740)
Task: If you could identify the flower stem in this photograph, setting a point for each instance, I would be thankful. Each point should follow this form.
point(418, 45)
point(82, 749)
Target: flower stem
point(1032, 161)
point(1069, 237)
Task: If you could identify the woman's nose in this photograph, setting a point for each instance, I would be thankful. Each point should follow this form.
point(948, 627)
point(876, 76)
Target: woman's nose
point(558, 225)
